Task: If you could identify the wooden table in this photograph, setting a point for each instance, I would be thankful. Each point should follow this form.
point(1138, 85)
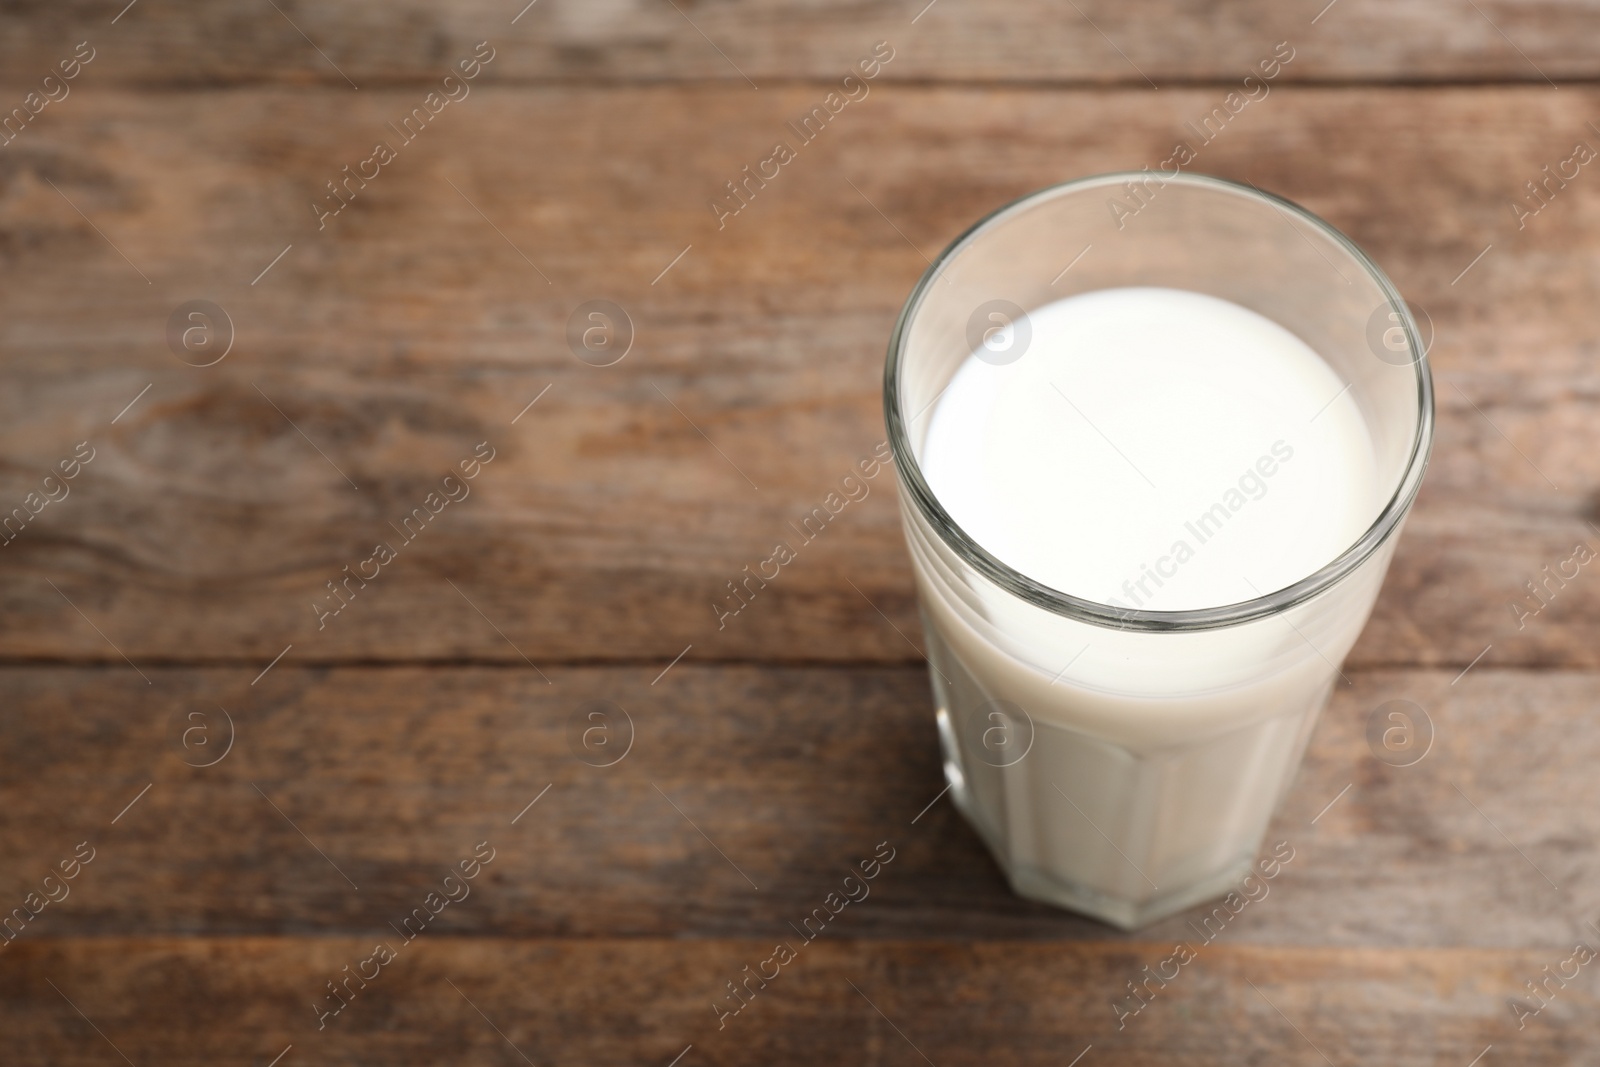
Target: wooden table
point(264, 790)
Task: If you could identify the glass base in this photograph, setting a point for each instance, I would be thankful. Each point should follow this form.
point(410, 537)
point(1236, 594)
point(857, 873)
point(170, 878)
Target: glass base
point(1127, 835)
point(1121, 912)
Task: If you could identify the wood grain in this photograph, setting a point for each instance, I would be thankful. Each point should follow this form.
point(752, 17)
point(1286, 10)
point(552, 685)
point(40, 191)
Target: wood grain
point(423, 319)
point(265, 796)
point(370, 44)
point(504, 1001)
point(744, 798)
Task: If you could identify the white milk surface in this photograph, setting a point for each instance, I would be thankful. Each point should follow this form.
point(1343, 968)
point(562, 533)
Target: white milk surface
point(1156, 449)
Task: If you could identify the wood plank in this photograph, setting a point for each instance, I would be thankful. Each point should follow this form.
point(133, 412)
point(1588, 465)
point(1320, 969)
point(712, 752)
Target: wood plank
point(349, 794)
point(416, 325)
point(1167, 41)
point(473, 1001)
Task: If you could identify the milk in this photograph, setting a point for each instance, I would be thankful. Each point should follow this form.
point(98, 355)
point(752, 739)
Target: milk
point(1132, 413)
point(1158, 450)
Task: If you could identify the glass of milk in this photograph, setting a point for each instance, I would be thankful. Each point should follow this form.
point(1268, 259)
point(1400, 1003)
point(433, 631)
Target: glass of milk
point(1156, 437)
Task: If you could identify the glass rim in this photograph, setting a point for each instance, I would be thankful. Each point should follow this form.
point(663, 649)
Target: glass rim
point(1054, 600)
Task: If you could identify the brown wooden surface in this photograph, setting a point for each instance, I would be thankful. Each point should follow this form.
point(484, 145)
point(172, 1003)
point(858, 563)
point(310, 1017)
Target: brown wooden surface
point(408, 331)
point(423, 719)
point(645, 1001)
point(793, 773)
point(170, 43)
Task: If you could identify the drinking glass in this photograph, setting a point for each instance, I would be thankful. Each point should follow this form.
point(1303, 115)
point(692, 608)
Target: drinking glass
point(1124, 763)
